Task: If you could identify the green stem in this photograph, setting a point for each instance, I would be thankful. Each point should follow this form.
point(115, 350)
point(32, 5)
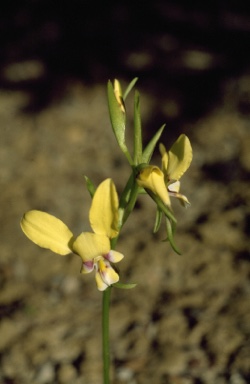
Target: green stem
point(131, 204)
point(105, 335)
point(128, 199)
point(128, 202)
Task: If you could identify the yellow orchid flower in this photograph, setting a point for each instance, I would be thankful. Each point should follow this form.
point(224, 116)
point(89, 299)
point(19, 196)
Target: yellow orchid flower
point(94, 248)
point(165, 182)
point(152, 178)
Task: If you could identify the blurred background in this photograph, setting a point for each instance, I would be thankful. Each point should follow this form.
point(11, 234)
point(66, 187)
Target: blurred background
point(188, 320)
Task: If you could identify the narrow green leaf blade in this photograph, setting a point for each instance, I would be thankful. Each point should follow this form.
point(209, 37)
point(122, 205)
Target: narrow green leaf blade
point(129, 88)
point(137, 130)
point(148, 151)
point(90, 186)
point(124, 285)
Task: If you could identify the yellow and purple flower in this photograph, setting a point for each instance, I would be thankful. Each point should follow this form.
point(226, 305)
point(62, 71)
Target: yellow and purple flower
point(94, 248)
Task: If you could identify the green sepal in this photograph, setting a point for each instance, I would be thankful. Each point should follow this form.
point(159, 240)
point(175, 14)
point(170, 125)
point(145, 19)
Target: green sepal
point(164, 208)
point(170, 219)
point(124, 285)
point(129, 88)
point(118, 120)
point(148, 151)
point(137, 130)
point(170, 232)
point(158, 219)
point(90, 186)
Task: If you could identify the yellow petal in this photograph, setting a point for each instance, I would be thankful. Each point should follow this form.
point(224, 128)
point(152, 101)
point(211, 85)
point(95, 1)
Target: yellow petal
point(105, 275)
point(179, 158)
point(103, 214)
point(90, 245)
point(101, 285)
point(152, 178)
point(118, 94)
point(164, 160)
point(114, 256)
point(47, 231)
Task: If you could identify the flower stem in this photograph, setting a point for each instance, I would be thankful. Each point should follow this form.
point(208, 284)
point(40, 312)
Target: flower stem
point(128, 202)
point(105, 335)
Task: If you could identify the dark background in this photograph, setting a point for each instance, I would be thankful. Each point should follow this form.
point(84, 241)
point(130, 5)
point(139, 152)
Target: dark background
point(95, 40)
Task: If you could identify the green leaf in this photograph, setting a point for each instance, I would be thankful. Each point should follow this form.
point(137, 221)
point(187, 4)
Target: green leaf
point(118, 119)
point(148, 151)
point(90, 186)
point(129, 88)
point(124, 285)
point(137, 130)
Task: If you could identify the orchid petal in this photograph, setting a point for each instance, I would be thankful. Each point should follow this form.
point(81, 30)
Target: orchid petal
point(47, 231)
point(152, 178)
point(107, 273)
point(101, 285)
point(87, 267)
point(90, 245)
point(179, 158)
point(174, 187)
point(114, 256)
point(183, 199)
point(103, 215)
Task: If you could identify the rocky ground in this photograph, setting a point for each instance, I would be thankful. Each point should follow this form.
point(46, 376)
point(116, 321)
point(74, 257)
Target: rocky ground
point(188, 319)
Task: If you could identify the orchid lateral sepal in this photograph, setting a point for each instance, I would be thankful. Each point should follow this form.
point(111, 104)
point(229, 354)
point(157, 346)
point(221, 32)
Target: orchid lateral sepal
point(170, 235)
point(158, 219)
point(47, 232)
point(170, 220)
point(166, 210)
